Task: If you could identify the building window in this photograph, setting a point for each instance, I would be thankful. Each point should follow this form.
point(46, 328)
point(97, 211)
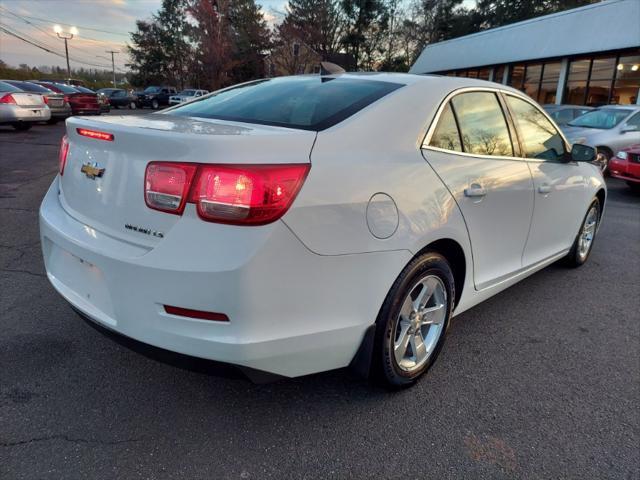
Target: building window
point(532, 76)
point(600, 81)
point(498, 74)
point(549, 83)
point(576, 90)
point(516, 78)
point(472, 73)
point(483, 73)
point(627, 83)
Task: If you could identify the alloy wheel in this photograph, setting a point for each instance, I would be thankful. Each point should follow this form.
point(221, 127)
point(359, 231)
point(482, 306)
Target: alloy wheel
point(420, 323)
point(588, 232)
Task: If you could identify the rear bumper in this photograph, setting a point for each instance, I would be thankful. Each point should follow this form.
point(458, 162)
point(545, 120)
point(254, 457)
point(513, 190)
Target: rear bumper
point(17, 113)
point(60, 112)
point(291, 312)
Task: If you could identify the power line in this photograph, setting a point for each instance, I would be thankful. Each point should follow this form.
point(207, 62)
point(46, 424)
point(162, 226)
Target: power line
point(49, 20)
point(45, 47)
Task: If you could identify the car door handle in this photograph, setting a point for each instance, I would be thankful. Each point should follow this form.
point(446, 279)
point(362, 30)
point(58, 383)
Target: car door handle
point(475, 190)
point(544, 188)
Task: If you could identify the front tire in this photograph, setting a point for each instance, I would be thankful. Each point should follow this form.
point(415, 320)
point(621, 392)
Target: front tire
point(133, 105)
point(155, 105)
point(583, 244)
point(603, 157)
point(413, 321)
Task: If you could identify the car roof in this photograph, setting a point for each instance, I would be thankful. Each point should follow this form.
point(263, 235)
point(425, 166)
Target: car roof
point(621, 107)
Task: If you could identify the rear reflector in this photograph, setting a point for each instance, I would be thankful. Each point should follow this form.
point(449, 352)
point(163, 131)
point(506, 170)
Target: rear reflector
point(62, 155)
point(95, 134)
point(187, 312)
point(167, 184)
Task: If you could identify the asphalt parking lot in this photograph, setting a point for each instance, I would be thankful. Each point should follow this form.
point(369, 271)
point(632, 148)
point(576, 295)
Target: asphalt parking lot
point(541, 381)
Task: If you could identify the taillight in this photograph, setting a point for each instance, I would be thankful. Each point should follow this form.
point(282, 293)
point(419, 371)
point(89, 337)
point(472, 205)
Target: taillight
point(95, 134)
point(45, 99)
point(8, 98)
point(232, 194)
point(62, 155)
point(166, 185)
point(66, 99)
point(246, 194)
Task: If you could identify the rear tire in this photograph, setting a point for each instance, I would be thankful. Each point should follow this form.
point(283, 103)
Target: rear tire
point(21, 126)
point(583, 244)
point(412, 323)
point(133, 106)
point(155, 104)
point(603, 157)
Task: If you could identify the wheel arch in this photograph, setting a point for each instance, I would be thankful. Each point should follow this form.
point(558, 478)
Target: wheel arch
point(453, 252)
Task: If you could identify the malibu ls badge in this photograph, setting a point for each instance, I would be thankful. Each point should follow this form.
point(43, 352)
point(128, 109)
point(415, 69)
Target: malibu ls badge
point(92, 170)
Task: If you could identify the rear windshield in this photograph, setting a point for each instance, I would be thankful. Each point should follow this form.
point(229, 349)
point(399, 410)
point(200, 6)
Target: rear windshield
point(83, 89)
point(63, 88)
point(304, 102)
point(30, 87)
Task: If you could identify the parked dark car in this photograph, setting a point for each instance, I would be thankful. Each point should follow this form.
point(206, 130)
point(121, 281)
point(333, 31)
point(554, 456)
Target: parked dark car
point(119, 97)
point(81, 103)
point(563, 114)
point(155, 97)
point(105, 106)
point(59, 107)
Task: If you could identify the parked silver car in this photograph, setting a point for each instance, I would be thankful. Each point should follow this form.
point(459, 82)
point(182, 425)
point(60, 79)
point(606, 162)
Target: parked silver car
point(563, 114)
point(21, 109)
point(186, 95)
point(59, 106)
point(609, 129)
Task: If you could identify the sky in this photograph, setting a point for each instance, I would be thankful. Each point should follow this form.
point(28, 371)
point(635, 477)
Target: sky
point(102, 25)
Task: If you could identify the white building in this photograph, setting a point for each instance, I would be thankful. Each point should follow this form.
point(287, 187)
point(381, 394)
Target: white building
point(585, 56)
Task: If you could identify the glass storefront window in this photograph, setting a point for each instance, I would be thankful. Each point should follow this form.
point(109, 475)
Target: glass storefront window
point(483, 73)
point(472, 74)
point(532, 80)
point(600, 81)
point(549, 84)
point(516, 78)
point(627, 84)
point(498, 74)
point(577, 82)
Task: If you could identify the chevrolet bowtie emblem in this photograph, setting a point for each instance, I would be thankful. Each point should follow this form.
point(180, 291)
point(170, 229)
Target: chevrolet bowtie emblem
point(91, 170)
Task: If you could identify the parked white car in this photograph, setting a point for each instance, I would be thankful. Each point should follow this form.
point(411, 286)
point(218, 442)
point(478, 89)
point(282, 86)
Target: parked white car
point(21, 109)
point(186, 95)
point(301, 224)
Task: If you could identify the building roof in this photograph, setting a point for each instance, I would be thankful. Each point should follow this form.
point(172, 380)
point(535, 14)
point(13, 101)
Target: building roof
point(608, 25)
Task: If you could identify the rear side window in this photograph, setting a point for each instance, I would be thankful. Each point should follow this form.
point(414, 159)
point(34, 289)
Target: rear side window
point(446, 134)
point(30, 87)
point(304, 102)
point(539, 137)
point(483, 128)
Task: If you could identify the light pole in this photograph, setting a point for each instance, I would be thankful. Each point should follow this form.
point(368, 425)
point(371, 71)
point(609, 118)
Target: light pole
point(66, 36)
point(113, 65)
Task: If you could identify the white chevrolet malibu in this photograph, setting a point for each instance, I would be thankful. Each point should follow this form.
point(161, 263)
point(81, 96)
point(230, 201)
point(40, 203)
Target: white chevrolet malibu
point(301, 224)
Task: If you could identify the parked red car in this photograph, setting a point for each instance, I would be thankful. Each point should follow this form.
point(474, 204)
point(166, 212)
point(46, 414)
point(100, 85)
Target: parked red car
point(81, 103)
point(626, 166)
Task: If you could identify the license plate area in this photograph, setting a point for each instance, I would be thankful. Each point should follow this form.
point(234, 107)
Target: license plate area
point(85, 279)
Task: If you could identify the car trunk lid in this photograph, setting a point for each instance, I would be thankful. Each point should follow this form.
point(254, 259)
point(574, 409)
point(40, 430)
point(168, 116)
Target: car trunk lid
point(103, 181)
point(28, 99)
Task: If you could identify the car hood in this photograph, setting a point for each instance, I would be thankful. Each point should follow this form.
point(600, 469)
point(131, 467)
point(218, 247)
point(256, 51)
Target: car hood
point(573, 133)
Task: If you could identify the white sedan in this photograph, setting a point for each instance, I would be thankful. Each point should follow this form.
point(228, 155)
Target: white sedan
point(307, 223)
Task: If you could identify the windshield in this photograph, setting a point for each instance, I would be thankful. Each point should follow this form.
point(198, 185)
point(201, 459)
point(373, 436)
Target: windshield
point(187, 93)
point(604, 118)
point(152, 90)
point(304, 102)
point(6, 87)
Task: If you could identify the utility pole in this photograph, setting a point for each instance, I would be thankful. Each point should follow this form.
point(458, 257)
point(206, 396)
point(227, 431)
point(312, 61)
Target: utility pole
point(113, 65)
point(66, 36)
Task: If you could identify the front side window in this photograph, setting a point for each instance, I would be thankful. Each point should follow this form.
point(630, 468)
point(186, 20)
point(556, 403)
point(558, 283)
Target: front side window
point(483, 128)
point(539, 137)
point(634, 121)
point(446, 134)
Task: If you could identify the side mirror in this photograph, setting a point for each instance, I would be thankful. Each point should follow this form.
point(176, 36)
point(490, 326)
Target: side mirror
point(630, 128)
point(582, 153)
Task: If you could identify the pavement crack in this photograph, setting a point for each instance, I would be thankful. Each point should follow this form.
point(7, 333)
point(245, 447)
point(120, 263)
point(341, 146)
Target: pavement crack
point(67, 438)
point(26, 272)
